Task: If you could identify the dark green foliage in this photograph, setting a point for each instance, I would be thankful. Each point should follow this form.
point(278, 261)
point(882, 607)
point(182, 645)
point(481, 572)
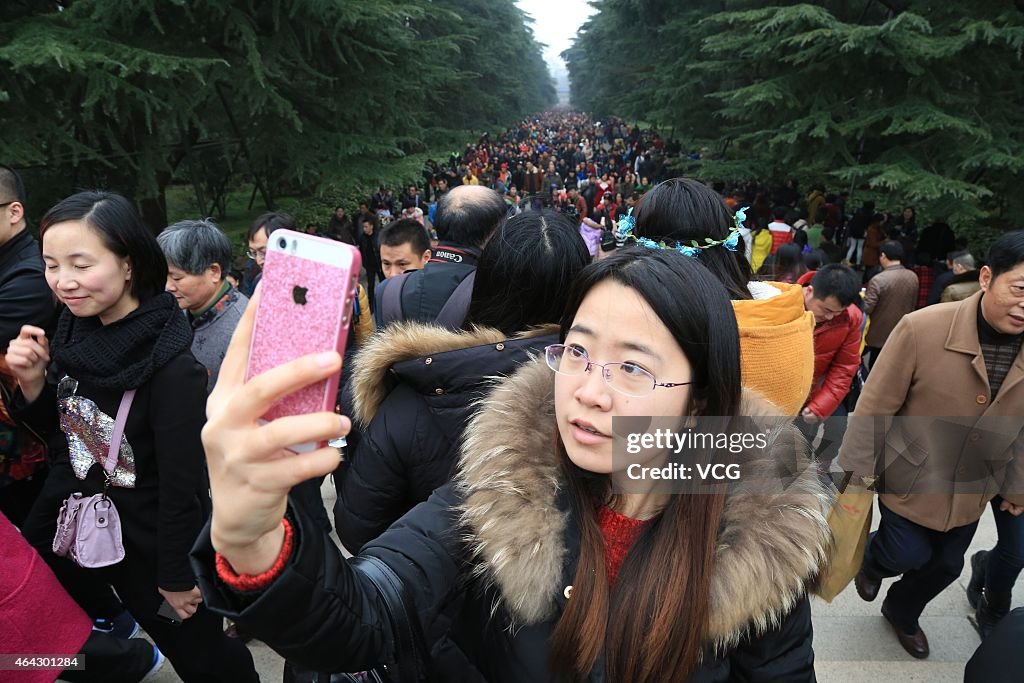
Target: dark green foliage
point(294, 96)
point(919, 102)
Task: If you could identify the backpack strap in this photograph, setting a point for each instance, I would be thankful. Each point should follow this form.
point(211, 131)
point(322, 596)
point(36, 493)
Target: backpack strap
point(454, 311)
point(115, 436)
point(391, 300)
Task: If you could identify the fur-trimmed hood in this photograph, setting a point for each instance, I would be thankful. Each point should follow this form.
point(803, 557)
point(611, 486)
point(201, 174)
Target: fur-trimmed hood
point(770, 546)
point(422, 343)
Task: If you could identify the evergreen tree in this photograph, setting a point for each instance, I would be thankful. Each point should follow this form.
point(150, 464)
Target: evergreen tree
point(918, 101)
point(294, 95)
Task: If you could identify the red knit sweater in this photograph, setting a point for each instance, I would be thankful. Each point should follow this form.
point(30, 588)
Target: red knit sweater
point(620, 533)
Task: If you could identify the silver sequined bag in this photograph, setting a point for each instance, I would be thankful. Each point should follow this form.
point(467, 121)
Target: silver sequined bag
point(89, 528)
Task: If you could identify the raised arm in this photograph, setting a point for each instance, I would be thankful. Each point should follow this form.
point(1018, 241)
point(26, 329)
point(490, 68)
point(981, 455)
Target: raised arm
point(323, 612)
point(316, 610)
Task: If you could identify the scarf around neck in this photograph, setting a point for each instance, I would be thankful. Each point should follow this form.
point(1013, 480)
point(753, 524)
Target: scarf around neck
point(124, 354)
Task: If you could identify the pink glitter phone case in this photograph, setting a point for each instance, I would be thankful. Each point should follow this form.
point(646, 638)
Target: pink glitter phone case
point(306, 295)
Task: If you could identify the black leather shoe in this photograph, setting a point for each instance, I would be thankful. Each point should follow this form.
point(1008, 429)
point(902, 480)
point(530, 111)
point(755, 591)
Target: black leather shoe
point(916, 643)
point(867, 588)
point(975, 587)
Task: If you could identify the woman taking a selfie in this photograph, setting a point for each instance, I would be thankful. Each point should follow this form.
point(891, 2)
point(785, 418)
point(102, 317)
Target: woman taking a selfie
point(528, 567)
point(120, 332)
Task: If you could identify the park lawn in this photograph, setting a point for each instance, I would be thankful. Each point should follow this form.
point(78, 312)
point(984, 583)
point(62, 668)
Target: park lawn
point(181, 205)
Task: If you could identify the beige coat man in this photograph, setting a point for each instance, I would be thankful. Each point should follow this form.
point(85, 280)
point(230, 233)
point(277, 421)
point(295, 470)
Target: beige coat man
point(945, 470)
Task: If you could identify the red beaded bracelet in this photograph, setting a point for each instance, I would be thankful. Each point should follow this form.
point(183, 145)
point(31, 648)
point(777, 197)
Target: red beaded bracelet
point(245, 583)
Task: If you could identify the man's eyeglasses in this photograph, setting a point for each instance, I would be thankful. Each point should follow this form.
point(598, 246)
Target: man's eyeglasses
point(257, 253)
point(626, 378)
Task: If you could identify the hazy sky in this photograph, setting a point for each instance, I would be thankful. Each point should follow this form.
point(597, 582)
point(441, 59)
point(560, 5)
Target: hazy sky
point(555, 24)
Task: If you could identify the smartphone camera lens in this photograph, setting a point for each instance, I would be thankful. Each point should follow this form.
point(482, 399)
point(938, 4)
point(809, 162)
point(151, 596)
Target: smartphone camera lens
point(282, 243)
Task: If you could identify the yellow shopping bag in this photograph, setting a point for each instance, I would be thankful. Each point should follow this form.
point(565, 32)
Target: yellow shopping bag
point(850, 521)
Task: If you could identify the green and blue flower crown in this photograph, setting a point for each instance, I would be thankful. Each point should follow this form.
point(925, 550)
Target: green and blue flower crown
point(628, 224)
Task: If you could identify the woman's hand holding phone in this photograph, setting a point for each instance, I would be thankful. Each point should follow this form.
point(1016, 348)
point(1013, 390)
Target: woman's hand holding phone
point(251, 470)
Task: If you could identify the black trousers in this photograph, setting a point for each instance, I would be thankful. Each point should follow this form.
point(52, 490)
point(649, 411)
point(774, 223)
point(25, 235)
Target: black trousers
point(197, 648)
point(928, 561)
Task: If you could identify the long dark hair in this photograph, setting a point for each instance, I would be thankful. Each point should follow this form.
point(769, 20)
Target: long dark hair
point(121, 230)
point(651, 624)
point(684, 210)
point(525, 272)
point(789, 262)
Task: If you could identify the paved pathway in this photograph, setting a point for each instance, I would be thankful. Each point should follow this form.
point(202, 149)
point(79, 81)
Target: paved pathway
point(852, 642)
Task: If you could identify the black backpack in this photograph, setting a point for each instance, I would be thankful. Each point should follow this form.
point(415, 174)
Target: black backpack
point(451, 314)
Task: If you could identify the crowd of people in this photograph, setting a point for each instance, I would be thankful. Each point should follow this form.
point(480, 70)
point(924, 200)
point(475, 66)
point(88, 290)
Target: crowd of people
point(527, 292)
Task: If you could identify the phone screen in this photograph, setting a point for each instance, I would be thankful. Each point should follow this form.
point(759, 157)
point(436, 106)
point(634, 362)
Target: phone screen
point(167, 613)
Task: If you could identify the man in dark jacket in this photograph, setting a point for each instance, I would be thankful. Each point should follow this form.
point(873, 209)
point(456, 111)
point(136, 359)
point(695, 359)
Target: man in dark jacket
point(367, 229)
point(259, 233)
point(340, 227)
point(26, 300)
point(412, 198)
point(465, 220)
point(957, 263)
point(26, 297)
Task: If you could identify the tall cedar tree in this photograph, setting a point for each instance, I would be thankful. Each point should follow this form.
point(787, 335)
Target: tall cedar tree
point(293, 95)
point(915, 102)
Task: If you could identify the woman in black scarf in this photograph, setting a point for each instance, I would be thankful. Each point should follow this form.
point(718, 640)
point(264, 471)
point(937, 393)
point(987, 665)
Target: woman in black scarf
point(120, 331)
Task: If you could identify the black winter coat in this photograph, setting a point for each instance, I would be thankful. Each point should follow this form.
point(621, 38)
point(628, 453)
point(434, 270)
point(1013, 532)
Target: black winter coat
point(414, 387)
point(25, 298)
point(162, 514)
point(501, 536)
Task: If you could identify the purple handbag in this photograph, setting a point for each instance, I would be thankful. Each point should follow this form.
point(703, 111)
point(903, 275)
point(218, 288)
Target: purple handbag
point(592, 238)
point(89, 529)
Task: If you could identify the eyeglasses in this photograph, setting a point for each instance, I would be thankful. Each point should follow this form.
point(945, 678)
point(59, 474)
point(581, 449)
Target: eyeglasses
point(626, 378)
point(257, 253)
